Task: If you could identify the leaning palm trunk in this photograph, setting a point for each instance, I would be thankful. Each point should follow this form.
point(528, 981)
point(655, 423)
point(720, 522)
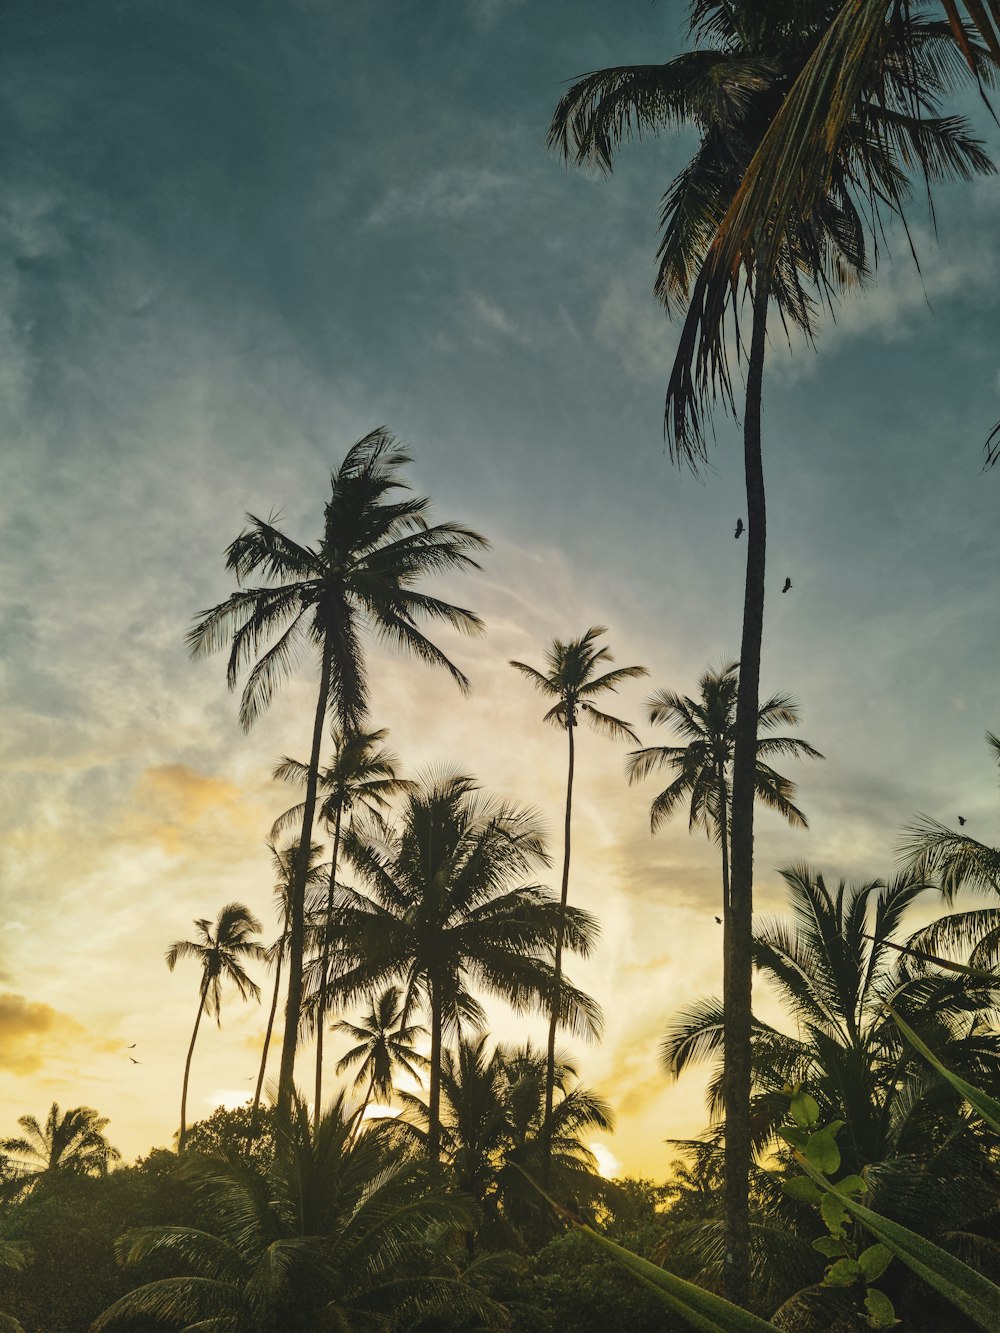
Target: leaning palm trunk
point(297, 898)
point(187, 1066)
point(267, 1043)
point(550, 1059)
point(324, 967)
point(434, 1090)
point(739, 919)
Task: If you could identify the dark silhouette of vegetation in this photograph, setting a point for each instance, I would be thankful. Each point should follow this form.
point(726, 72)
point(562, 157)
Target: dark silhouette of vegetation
point(384, 1044)
point(221, 950)
point(569, 679)
point(66, 1143)
point(360, 778)
point(444, 908)
point(359, 577)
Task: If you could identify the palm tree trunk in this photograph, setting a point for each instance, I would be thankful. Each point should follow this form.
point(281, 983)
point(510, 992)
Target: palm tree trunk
point(724, 839)
point(550, 1055)
point(434, 1092)
point(267, 1043)
point(187, 1067)
point(297, 897)
point(324, 968)
point(738, 963)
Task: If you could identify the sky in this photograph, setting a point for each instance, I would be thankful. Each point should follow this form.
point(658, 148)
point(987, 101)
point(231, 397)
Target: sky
point(234, 238)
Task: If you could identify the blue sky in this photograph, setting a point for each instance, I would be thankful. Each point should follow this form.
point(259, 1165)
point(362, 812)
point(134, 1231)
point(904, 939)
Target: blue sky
point(233, 239)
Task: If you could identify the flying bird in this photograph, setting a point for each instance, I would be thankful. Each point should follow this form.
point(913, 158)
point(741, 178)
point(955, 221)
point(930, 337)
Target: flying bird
point(718, 920)
point(134, 1060)
point(739, 527)
point(961, 820)
point(788, 584)
point(131, 1048)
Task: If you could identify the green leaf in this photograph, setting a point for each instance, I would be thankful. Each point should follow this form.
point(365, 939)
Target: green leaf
point(874, 1261)
point(852, 1185)
point(833, 1249)
point(798, 1138)
point(987, 1106)
point(972, 1293)
point(823, 1153)
point(802, 1188)
point(834, 1214)
point(844, 1273)
point(880, 1311)
point(804, 1109)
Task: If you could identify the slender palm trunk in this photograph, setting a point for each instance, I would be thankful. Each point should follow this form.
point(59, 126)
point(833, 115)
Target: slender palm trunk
point(324, 967)
point(297, 897)
point(738, 964)
point(434, 1092)
point(724, 838)
point(267, 1043)
point(550, 1055)
point(187, 1066)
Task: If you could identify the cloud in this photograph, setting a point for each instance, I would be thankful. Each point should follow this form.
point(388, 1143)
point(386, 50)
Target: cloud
point(179, 808)
point(444, 196)
point(33, 1034)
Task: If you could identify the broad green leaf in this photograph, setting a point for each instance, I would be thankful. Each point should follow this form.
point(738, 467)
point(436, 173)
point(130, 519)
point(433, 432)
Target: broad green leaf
point(804, 1110)
point(990, 978)
point(844, 1273)
point(852, 1185)
point(833, 1249)
point(973, 1294)
point(987, 1106)
point(798, 1138)
point(823, 1152)
point(874, 1261)
point(802, 1188)
point(834, 1214)
point(880, 1310)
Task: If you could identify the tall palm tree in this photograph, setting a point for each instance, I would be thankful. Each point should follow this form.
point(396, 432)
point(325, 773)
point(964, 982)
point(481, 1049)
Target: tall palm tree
point(221, 951)
point(338, 1232)
point(833, 964)
point(283, 860)
point(72, 1142)
point(703, 767)
point(360, 778)
point(569, 679)
point(732, 89)
point(359, 578)
point(446, 907)
point(384, 1044)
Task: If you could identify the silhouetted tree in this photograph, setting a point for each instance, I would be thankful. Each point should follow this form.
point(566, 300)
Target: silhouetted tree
point(221, 951)
point(358, 578)
point(569, 679)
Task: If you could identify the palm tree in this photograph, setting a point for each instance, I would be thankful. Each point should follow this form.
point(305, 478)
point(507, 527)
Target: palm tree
point(703, 766)
point(221, 951)
point(336, 1233)
point(446, 907)
point(569, 679)
point(70, 1142)
point(384, 1044)
point(358, 578)
point(492, 1131)
point(732, 90)
point(834, 964)
point(361, 776)
point(283, 860)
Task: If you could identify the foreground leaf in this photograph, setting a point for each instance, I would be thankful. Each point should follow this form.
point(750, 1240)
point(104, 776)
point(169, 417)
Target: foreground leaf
point(987, 1106)
point(972, 1293)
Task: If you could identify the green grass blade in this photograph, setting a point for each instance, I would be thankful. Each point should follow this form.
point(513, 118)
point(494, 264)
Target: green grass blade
point(966, 1289)
point(700, 1308)
point(987, 1106)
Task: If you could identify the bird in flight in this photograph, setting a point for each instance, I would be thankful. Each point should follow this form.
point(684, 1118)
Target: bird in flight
point(788, 584)
point(961, 820)
point(134, 1060)
point(739, 527)
point(718, 920)
point(130, 1048)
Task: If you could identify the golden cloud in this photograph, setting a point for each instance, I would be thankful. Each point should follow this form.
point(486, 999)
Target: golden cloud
point(32, 1034)
point(178, 808)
